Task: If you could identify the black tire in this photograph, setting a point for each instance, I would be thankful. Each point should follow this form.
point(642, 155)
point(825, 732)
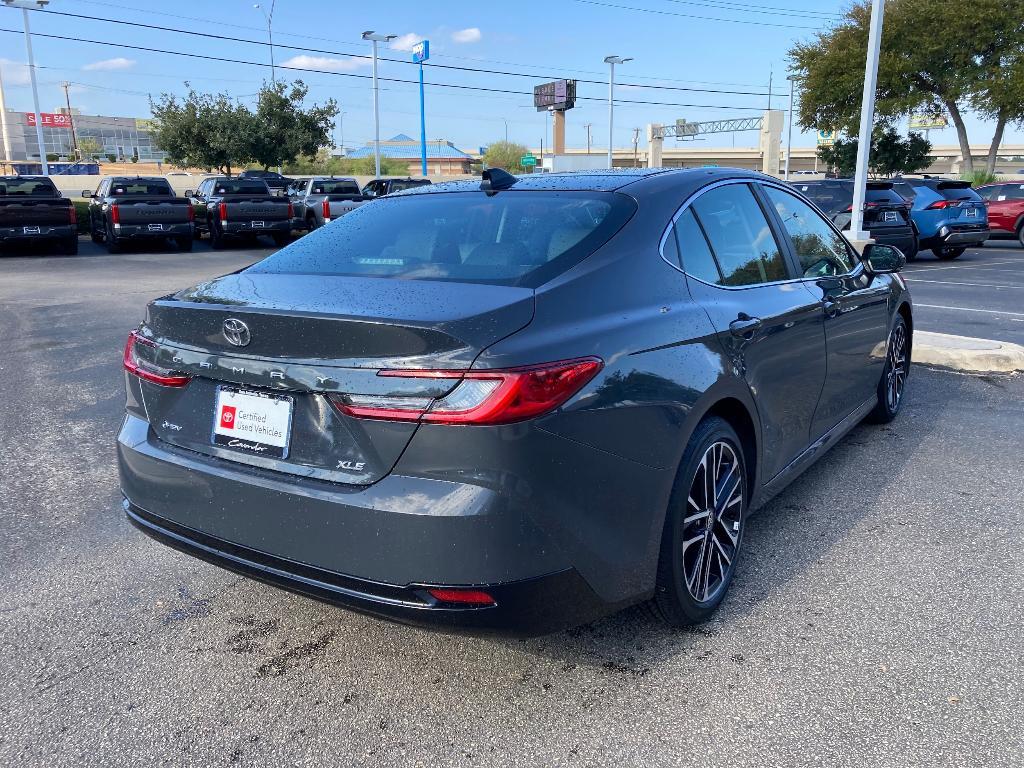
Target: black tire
point(97, 237)
point(216, 237)
point(948, 252)
point(68, 246)
point(912, 251)
point(892, 384)
point(184, 243)
point(311, 223)
point(1020, 234)
point(281, 239)
point(113, 243)
point(683, 573)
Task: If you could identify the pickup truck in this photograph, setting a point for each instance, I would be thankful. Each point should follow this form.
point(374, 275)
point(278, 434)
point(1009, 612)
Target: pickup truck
point(233, 207)
point(277, 183)
point(381, 187)
point(138, 208)
point(31, 209)
point(322, 199)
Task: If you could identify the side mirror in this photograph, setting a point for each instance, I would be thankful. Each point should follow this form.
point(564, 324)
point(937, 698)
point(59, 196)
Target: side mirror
point(188, 193)
point(883, 259)
point(86, 193)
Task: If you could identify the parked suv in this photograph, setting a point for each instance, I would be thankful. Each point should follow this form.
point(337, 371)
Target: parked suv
point(886, 213)
point(948, 214)
point(1005, 204)
point(515, 404)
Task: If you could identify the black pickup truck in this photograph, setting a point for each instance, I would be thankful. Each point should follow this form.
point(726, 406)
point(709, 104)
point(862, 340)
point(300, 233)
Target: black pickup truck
point(138, 208)
point(31, 209)
point(233, 207)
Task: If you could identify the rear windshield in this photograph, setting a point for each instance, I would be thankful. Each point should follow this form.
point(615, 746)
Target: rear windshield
point(509, 238)
point(141, 188)
point(398, 186)
point(335, 188)
point(956, 192)
point(240, 187)
point(835, 198)
point(27, 188)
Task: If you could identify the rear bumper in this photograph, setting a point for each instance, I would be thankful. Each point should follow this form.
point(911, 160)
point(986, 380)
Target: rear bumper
point(899, 237)
point(138, 231)
point(526, 608)
point(964, 234)
point(44, 232)
point(247, 228)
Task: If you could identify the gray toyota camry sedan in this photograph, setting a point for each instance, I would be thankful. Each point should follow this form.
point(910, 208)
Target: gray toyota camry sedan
point(512, 404)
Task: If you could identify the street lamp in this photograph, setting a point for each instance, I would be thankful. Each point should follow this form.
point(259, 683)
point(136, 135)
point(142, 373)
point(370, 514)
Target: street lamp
point(611, 61)
point(25, 6)
point(270, 33)
point(789, 139)
point(867, 117)
point(341, 128)
point(375, 38)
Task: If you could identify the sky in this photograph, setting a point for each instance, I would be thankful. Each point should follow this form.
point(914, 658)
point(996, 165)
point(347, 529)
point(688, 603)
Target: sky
point(685, 54)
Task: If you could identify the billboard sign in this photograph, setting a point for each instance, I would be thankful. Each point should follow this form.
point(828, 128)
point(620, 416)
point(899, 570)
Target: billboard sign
point(421, 52)
point(50, 120)
point(827, 138)
point(557, 95)
point(926, 121)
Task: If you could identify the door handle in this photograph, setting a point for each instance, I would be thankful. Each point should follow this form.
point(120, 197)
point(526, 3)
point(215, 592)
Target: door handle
point(745, 326)
point(831, 307)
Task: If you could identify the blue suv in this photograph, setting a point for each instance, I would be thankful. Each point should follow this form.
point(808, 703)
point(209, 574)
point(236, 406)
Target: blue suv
point(948, 214)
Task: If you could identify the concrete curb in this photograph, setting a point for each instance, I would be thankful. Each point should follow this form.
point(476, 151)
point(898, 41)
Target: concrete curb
point(963, 353)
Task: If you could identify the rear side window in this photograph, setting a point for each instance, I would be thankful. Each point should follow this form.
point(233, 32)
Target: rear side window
point(1013, 191)
point(240, 187)
point(906, 191)
point(957, 192)
point(819, 248)
point(27, 188)
point(830, 197)
point(398, 186)
point(509, 238)
point(883, 196)
point(335, 188)
point(740, 237)
point(140, 188)
point(694, 251)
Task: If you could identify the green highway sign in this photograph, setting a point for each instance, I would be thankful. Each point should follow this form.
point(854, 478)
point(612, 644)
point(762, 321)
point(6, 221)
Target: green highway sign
point(527, 161)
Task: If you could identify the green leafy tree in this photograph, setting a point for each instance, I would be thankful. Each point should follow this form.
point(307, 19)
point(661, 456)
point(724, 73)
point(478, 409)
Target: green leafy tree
point(505, 155)
point(890, 153)
point(88, 147)
point(284, 129)
point(203, 130)
point(931, 58)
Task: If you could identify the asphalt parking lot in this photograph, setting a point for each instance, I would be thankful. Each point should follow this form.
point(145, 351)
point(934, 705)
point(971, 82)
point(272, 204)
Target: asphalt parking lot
point(876, 618)
point(980, 294)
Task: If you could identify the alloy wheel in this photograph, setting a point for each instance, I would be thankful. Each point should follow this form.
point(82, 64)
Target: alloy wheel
point(896, 374)
point(712, 526)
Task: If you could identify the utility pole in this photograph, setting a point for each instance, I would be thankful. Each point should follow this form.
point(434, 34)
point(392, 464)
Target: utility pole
point(3, 124)
point(789, 138)
point(270, 33)
point(375, 38)
point(67, 100)
point(771, 74)
point(588, 126)
point(420, 53)
point(611, 61)
point(867, 116)
point(636, 142)
point(25, 5)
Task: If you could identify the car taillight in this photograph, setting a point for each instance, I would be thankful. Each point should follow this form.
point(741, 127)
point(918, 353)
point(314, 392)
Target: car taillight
point(499, 396)
point(115, 213)
point(327, 210)
point(938, 205)
point(223, 211)
point(72, 215)
point(459, 596)
point(146, 370)
point(191, 213)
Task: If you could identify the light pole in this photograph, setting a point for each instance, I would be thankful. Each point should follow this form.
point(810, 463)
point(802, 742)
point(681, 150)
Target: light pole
point(611, 61)
point(588, 127)
point(867, 115)
point(25, 6)
point(789, 137)
point(341, 128)
point(506, 129)
point(270, 33)
point(420, 53)
point(375, 38)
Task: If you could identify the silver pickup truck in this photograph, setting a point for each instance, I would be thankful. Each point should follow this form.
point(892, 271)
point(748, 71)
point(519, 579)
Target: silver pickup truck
point(321, 199)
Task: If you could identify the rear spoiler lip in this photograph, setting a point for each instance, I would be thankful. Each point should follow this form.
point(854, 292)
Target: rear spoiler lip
point(953, 184)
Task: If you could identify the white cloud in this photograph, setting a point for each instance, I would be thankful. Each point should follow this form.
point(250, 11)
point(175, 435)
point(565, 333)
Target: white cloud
point(14, 72)
point(468, 35)
point(326, 63)
point(110, 65)
point(406, 42)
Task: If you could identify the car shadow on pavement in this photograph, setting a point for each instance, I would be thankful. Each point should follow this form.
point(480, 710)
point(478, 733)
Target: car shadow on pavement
point(784, 540)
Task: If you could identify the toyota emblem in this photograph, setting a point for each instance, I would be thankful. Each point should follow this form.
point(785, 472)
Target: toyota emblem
point(236, 332)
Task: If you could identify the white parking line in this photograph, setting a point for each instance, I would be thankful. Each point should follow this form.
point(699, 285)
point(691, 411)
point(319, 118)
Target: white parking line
point(953, 282)
point(970, 309)
point(968, 266)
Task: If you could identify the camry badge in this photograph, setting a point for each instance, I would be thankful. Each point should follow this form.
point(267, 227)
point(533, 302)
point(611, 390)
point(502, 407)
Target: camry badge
point(236, 332)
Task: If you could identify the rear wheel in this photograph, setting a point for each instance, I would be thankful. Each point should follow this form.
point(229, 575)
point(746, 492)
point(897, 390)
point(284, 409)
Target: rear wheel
point(915, 246)
point(113, 243)
point(96, 235)
point(1020, 234)
point(948, 252)
point(704, 527)
point(311, 222)
point(216, 237)
point(894, 376)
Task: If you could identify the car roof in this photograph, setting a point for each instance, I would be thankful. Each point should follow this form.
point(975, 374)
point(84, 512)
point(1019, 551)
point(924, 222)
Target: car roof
point(19, 177)
point(138, 178)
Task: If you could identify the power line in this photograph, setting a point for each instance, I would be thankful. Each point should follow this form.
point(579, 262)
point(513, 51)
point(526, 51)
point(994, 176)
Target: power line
point(690, 15)
point(223, 59)
point(227, 38)
point(725, 5)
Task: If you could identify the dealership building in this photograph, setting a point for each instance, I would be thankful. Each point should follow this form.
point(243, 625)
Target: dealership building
point(122, 138)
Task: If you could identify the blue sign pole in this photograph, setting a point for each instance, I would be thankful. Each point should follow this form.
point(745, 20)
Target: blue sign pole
point(420, 53)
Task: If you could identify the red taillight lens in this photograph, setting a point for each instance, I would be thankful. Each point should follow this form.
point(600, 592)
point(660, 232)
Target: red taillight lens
point(223, 209)
point(938, 205)
point(291, 210)
point(191, 213)
point(115, 213)
point(146, 370)
point(461, 596)
point(480, 397)
point(72, 215)
point(327, 209)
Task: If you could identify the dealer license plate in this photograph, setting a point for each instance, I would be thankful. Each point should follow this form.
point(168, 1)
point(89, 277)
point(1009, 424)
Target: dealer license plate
point(258, 224)
point(253, 422)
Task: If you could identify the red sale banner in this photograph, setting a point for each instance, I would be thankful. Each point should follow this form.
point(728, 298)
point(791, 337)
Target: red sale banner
point(50, 120)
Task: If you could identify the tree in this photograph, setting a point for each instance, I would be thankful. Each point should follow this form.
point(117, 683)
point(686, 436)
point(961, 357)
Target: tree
point(203, 131)
point(283, 130)
point(930, 59)
point(506, 155)
point(890, 153)
point(89, 148)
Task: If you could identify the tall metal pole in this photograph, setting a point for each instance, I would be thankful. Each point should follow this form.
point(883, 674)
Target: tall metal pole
point(587, 126)
point(35, 94)
point(867, 114)
point(423, 128)
point(376, 117)
point(789, 137)
point(67, 100)
point(270, 33)
point(3, 123)
point(611, 110)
